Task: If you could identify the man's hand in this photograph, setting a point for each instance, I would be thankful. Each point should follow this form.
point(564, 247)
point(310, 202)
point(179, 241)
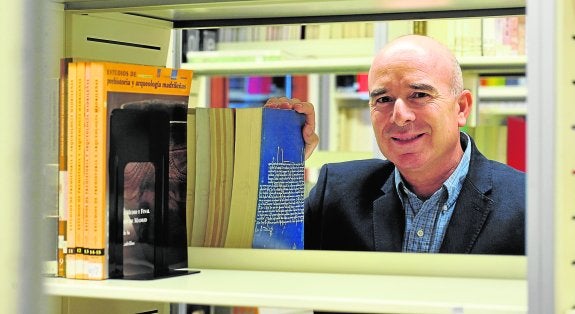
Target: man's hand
point(310, 138)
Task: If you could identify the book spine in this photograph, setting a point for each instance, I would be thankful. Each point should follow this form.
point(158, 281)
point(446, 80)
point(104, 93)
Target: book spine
point(221, 167)
point(201, 199)
point(82, 186)
point(245, 178)
point(191, 172)
point(516, 142)
point(70, 257)
point(94, 225)
point(62, 168)
point(90, 174)
point(279, 213)
point(100, 268)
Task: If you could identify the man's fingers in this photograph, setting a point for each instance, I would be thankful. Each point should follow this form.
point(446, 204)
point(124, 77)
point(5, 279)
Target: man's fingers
point(307, 109)
point(311, 138)
point(310, 144)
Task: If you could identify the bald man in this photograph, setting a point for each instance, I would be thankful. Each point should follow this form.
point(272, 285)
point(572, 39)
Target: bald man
point(435, 192)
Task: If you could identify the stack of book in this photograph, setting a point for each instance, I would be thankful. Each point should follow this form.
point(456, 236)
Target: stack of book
point(143, 176)
point(95, 208)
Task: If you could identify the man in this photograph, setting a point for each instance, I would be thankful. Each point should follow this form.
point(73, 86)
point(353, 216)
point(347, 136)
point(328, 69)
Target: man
point(435, 192)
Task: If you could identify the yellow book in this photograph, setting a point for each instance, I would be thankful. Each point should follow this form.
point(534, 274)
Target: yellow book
point(201, 198)
point(246, 174)
point(191, 172)
point(81, 184)
point(221, 174)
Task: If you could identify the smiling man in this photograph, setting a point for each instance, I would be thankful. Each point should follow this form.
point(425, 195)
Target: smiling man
point(435, 192)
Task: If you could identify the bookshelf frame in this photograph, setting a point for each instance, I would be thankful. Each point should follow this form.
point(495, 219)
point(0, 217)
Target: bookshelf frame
point(550, 271)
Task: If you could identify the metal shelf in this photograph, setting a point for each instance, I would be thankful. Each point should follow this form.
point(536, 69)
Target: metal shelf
point(258, 12)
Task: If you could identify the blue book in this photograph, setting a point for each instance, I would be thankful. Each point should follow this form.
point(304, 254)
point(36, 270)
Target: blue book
point(280, 205)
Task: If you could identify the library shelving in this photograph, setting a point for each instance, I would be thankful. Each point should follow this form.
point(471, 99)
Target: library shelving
point(544, 281)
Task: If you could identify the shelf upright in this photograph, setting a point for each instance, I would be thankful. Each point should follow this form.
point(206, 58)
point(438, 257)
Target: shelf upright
point(551, 180)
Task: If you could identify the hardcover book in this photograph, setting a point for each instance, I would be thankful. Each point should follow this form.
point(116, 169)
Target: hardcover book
point(202, 177)
point(268, 190)
point(280, 208)
point(221, 133)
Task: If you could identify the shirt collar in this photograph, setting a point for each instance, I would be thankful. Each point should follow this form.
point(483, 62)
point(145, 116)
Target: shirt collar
point(454, 183)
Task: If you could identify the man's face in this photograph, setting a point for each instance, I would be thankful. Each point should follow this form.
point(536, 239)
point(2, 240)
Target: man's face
point(415, 115)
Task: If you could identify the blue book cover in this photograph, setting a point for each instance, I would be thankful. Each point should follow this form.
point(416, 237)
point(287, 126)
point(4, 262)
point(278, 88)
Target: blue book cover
point(280, 208)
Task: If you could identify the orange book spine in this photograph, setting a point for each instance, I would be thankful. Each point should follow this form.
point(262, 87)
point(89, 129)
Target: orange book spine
point(90, 174)
point(70, 258)
point(62, 168)
point(81, 186)
point(97, 266)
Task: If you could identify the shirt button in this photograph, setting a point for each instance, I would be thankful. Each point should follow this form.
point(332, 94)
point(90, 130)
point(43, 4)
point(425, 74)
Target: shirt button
point(420, 233)
point(444, 207)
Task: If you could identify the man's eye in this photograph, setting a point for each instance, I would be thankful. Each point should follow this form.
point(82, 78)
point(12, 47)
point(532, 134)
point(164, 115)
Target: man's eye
point(419, 95)
point(383, 100)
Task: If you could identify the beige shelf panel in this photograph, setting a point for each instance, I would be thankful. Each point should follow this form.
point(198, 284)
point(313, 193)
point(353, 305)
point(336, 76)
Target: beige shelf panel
point(329, 292)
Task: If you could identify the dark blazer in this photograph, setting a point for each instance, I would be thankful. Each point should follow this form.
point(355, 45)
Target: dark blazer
point(355, 207)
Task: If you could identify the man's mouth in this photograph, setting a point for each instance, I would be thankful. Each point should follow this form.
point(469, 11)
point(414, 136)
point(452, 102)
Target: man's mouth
point(406, 138)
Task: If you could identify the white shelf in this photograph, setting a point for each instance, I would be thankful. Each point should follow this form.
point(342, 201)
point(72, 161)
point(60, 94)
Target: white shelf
point(282, 67)
point(504, 63)
point(502, 93)
point(503, 109)
point(327, 292)
point(338, 65)
point(363, 96)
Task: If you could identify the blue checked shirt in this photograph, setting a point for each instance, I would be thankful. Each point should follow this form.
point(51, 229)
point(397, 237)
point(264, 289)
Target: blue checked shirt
point(427, 220)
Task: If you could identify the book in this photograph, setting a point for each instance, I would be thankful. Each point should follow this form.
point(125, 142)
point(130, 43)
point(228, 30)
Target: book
point(70, 180)
point(93, 90)
point(516, 142)
point(280, 208)
point(245, 178)
point(202, 182)
point(268, 189)
point(62, 167)
point(191, 172)
point(221, 132)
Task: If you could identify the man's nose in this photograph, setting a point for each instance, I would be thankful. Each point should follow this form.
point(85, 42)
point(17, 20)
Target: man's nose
point(402, 114)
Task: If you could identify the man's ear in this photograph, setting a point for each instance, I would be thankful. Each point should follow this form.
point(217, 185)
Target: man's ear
point(465, 103)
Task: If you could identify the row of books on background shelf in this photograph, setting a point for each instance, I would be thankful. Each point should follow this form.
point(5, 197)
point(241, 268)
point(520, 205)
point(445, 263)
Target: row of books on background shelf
point(488, 36)
point(142, 176)
point(339, 30)
point(296, 32)
point(503, 139)
point(502, 80)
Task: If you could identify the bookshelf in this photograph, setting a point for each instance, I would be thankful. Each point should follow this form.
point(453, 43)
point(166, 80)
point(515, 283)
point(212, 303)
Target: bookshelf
point(349, 293)
point(550, 278)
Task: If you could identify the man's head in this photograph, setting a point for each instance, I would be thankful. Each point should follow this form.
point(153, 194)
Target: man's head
point(417, 105)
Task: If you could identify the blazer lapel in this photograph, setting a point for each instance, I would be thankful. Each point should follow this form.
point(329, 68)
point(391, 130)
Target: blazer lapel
point(472, 209)
point(388, 220)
